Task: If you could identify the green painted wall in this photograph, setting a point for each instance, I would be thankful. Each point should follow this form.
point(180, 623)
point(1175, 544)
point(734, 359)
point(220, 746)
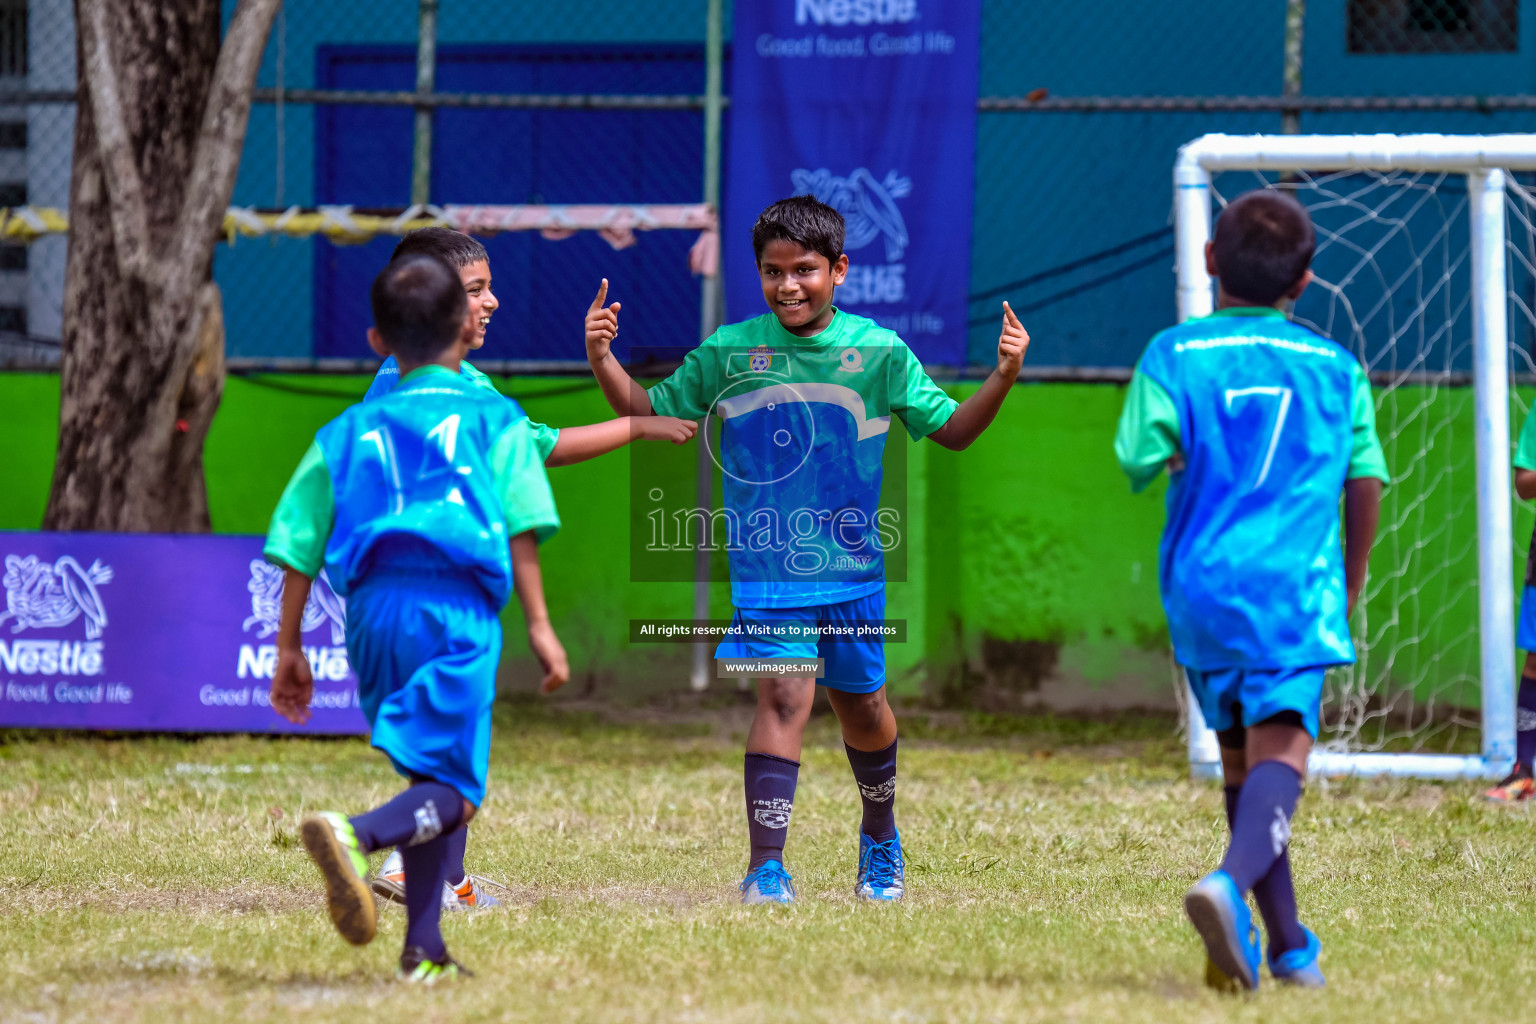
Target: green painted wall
point(1030, 564)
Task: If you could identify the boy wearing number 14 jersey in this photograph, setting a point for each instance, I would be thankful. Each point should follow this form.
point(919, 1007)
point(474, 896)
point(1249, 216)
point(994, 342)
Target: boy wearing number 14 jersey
point(427, 508)
point(1261, 423)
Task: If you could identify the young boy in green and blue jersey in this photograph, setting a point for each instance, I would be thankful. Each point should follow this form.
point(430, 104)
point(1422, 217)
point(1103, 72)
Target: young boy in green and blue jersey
point(1262, 424)
point(556, 447)
point(426, 508)
point(805, 394)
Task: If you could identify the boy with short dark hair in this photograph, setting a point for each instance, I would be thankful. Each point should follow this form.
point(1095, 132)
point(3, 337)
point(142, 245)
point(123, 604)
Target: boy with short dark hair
point(1261, 423)
point(556, 447)
point(426, 508)
point(805, 394)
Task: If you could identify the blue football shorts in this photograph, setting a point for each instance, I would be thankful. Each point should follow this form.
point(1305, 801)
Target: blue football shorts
point(1525, 637)
point(1230, 697)
point(853, 664)
point(425, 650)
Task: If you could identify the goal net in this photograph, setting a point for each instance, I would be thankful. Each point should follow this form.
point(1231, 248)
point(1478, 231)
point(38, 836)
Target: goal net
point(1426, 258)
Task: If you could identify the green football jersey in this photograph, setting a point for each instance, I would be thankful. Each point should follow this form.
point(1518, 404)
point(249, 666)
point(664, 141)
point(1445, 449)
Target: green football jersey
point(803, 431)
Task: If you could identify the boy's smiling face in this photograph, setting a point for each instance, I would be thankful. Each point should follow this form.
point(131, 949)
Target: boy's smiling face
point(476, 278)
point(798, 285)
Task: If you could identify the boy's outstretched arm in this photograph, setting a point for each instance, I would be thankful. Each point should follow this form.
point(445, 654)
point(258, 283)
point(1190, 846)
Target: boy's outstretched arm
point(528, 581)
point(626, 397)
point(976, 413)
point(293, 683)
point(1525, 483)
point(578, 444)
point(1362, 511)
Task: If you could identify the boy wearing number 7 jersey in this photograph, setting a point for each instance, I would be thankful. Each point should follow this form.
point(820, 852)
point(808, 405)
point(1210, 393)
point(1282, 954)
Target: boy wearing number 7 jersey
point(1261, 423)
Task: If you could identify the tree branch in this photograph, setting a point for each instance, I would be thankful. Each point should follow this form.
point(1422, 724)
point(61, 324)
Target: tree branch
point(216, 159)
point(125, 189)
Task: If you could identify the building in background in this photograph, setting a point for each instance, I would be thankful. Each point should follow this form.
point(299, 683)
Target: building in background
point(1072, 210)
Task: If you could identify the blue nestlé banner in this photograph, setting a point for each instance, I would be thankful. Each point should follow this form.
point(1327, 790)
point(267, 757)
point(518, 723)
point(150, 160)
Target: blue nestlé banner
point(158, 632)
point(870, 105)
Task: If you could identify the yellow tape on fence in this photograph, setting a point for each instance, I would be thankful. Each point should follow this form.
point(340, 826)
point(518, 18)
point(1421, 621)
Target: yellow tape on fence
point(342, 224)
point(29, 223)
point(337, 223)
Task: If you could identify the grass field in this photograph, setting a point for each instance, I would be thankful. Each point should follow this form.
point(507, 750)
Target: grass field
point(160, 879)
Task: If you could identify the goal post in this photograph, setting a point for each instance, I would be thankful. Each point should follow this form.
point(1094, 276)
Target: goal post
point(1351, 173)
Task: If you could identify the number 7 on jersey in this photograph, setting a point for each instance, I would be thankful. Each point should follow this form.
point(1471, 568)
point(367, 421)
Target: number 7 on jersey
point(1282, 396)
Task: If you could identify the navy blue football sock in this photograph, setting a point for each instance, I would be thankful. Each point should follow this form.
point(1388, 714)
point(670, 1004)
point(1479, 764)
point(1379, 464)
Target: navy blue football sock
point(1231, 794)
point(426, 868)
point(418, 815)
point(875, 772)
point(1275, 894)
point(454, 866)
point(1261, 826)
point(770, 785)
point(1525, 723)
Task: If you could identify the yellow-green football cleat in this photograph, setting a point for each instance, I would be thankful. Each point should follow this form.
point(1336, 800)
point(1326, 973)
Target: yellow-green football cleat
point(1221, 916)
point(332, 845)
point(1215, 979)
point(417, 969)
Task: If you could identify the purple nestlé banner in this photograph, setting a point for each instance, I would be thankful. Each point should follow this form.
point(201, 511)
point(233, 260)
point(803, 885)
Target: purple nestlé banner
point(869, 105)
point(158, 632)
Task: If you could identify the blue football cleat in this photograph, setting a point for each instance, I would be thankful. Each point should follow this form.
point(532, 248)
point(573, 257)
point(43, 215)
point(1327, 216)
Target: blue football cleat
point(1219, 914)
point(882, 869)
point(767, 883)
point(1299, 966)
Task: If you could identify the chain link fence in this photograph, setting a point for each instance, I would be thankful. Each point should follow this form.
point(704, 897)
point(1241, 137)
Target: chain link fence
point(1081, 109)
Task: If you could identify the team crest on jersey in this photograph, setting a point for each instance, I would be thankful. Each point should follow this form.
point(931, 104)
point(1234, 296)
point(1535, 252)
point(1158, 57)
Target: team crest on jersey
point(266, 587)
point(757, 361)
point(40, 595)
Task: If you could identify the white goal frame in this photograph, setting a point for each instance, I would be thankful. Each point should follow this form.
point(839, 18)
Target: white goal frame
point(1483, 160)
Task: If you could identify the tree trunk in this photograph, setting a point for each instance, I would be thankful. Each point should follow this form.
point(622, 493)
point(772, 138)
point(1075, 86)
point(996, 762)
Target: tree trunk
point(161, 121)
